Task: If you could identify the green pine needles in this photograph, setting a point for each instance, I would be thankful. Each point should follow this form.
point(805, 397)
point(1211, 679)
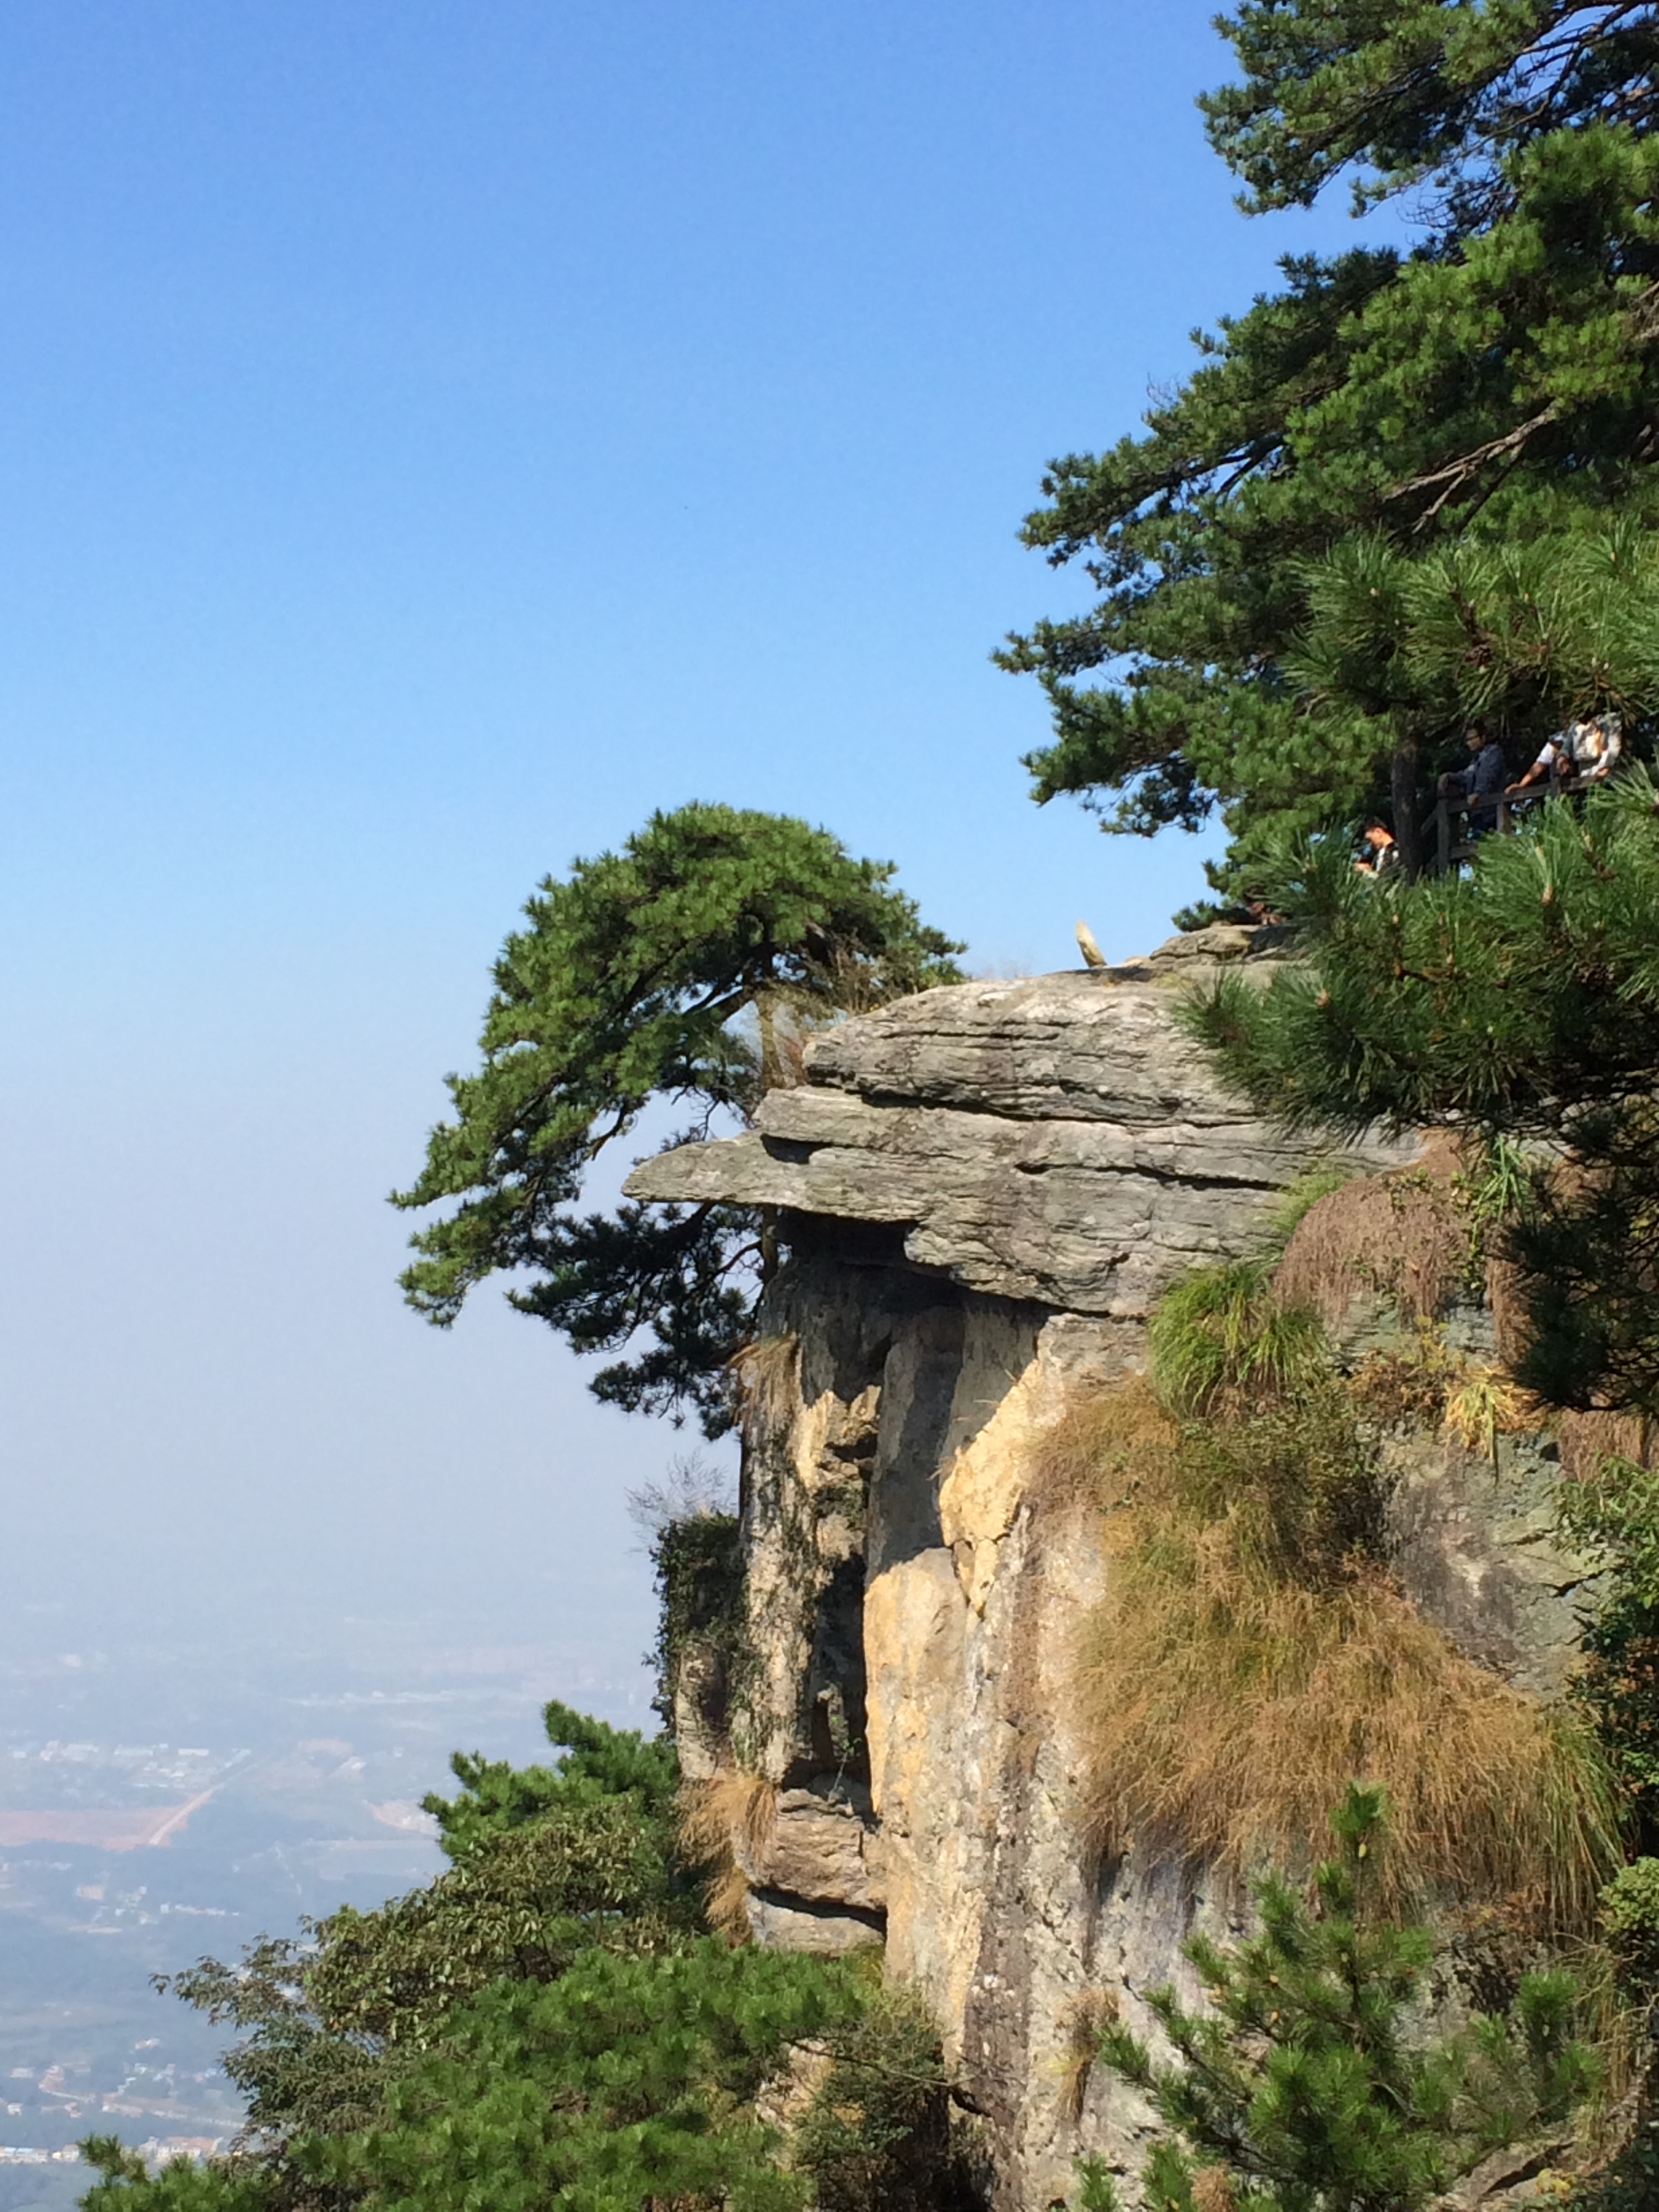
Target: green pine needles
point(1481, 403)
point(551, 2022)
point(1518, 1004)
point(684, 970)
point(1311, 2082)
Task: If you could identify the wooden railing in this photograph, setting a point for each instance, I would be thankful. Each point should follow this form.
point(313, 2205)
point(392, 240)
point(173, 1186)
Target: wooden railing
point(1452, 843)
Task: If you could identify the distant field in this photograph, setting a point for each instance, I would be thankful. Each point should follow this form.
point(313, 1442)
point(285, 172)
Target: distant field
point(100, 1830)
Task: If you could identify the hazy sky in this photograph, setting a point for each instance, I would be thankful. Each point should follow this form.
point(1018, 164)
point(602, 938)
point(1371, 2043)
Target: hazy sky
point(434, 436)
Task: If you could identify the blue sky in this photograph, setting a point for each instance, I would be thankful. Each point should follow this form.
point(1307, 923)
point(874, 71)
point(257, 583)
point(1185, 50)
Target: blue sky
point(433, 436)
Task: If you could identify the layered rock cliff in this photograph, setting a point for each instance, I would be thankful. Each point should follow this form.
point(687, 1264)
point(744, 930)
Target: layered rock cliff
point(983, 1192)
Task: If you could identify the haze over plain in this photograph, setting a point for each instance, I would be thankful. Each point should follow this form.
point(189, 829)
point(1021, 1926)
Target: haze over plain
point(434, 437)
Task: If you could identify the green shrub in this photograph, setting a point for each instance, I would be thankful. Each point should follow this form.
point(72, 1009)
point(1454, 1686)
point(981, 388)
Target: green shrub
point(700, 1592)
point(1614, 1514)
point(1219, 1334)
point(1309, 2083)
point(626, 2081)
point(1304, 1488)
point(1630, 1914)
point(876, 2135)
point(548, 2022)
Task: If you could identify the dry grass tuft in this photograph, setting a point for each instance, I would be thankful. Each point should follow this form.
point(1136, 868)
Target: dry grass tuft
point(1513, 1297)
point(1483, 1403)
point(1080, 2026)
point(1250, 1660)
point(1402, 1235)
point(766, 1374)
point(1104, 1447)
point(1212, 2191)
point(1617, 2024)
point(729, 1813)
point(1507, 1297)
point(1407, 1381)
point(1421, 1381)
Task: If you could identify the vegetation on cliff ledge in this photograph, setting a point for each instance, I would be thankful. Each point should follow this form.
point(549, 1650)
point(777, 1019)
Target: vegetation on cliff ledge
point(551, 2022)
point(1251, 1655)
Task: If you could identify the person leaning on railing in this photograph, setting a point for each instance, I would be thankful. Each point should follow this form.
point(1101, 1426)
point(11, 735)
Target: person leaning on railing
point(1585, 751)
point(1482, 783)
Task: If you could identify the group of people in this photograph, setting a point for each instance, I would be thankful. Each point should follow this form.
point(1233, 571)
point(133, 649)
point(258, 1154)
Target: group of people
point(1583, 752)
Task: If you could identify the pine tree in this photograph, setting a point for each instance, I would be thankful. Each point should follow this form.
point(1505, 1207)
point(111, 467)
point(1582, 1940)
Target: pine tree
point(547, 1863)
point(1500, 379)
point(1400, 654)
point(550, 2021)
point(1426, 96)
point(1310, 2083)
point(1519, 1004)
point(681, 968)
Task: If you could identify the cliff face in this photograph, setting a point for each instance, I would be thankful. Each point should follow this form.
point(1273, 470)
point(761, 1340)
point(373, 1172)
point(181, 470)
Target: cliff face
point(983, 1191)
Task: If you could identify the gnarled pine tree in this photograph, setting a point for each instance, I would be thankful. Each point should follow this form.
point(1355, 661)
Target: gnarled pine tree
point(680, 969)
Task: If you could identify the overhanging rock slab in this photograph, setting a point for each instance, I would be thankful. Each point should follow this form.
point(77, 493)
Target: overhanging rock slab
point(1058, 1141)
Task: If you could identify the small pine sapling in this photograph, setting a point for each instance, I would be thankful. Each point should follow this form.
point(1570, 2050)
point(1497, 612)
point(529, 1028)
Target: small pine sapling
point(1311, 2083)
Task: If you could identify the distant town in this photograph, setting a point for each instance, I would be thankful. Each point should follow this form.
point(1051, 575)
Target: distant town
point(285, 1785)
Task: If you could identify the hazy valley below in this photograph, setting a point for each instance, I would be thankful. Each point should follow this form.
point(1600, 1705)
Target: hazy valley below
point(163, 1798)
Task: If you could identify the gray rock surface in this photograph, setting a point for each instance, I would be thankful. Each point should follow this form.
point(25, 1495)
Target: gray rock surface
point(821, 1847)
point(984, 1190)
point(1057, 1139)
point(786, 1923)
point(1476, 1548)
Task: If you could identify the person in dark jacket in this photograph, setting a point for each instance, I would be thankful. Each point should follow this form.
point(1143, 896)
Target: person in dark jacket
point(1482, 783)
point(1381, 854)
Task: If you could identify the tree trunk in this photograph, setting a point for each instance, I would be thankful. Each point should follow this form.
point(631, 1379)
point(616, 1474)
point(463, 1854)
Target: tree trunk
point(766, 1013)
point(1408, 831)
point(770, 1076)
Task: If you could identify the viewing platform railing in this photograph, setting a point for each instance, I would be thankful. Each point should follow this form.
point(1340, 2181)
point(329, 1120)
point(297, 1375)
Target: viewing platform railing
point(1453, 844)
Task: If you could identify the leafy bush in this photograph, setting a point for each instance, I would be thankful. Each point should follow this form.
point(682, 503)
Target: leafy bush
point(1613, 1512)
point(876, 2137)
point(1630, 1914)
point(700, 1582)
point(1301, 1486)
point(1482, 1404)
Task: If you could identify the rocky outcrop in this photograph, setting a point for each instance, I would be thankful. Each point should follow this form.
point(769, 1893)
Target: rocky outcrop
point(1474, 1542)
point(981, 1193)
point(1058, 1141)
